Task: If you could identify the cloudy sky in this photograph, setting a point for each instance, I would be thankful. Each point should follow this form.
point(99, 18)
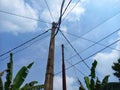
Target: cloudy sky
point(90, 21)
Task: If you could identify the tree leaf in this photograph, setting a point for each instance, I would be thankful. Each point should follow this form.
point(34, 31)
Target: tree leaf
point(1, 83)
point(30, 65)
point(20, 77)
point(87, 81)
point(29, 85)
point(105, 80)
point(81, 86)
point(9, 73)
point(92, 84)
point(98, 85)
point(94, 64)
point(37, 87)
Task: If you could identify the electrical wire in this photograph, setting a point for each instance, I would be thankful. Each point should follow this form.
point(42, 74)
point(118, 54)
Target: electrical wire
point(26, 47)
point(74, 49)
point(49, 10)
point(100, 23)
point(71, 9)
point(96, 42)
point(66, 7)
point(23, 43)
point(76, 68)
point(5, 12)
point(90, 40)
point(60, 18)
point(91, 55)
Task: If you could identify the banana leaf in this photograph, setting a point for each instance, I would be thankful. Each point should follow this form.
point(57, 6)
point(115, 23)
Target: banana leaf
point(94, 64)
point(20, 77)
point(92, 84)
point(37, 87)
point(87, 81)
point(105, 80)
point(98, 84)
point(81, 86)
point(1, 84)
point(9, 73)
point(28, 85)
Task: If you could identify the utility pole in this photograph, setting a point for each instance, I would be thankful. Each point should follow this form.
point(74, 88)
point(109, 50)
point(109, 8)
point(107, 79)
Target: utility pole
point(63, 70)
point(50, 63)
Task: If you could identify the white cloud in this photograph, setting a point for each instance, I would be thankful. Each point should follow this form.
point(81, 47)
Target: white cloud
point(10, 23)
point(17, 25)
point(105, 61)
point(74, 15)
point(69, 80)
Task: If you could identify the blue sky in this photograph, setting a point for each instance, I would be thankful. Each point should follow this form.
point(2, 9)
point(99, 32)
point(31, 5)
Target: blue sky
point(91, 19)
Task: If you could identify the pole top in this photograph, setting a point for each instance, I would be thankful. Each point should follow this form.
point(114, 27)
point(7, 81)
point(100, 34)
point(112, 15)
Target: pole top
point(54, 24)
point(63, 45)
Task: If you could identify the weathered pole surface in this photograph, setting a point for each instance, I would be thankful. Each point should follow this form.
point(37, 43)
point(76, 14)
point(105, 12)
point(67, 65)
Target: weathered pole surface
point(63, 70)
point(50, 63)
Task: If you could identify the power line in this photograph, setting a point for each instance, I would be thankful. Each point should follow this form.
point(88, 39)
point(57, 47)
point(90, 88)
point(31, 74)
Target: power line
point(74, 49)
point(24, 43)
point(25, 47)
point(5, 12)
point(71, 9)
point(60, 18)
point(96, 42)
point(90, 40)
point(76, 68)
point(66, 7)
point(91, 55)
point(49, 10)
point(101, 23)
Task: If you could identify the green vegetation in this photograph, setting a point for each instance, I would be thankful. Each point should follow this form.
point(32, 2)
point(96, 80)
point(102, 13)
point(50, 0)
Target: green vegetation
point(15, 84)
point(92, 82)
point(116, 68)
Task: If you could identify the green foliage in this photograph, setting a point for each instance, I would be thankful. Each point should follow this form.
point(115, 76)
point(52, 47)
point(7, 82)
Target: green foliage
point(28, 85)
point(19, 78)
point(1, 84)
point(87, 81)
point(116, 68)
point(94, 64)
point(81, 86)
point(105, 80)
point(9, 73)
point(32, 86)
point(37, 87)
point(92, 82)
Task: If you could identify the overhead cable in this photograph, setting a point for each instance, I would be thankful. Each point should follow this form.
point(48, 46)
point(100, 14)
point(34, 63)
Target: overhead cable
point(66, 7)
point(91, 55)
point(6, 12)
point(25, 47)
point(76, 68)
point(71, 9)
point(97, 42)
point(90, 40)
point(23, 43)
point(74, 49)
point(49, 10)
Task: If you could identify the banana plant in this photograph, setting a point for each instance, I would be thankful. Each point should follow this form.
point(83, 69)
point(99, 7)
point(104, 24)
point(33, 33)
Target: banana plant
point(9, 71)
point(16, 83)
point(32, 86)
point(1, 84)
point(92, 82)
point(20, 77)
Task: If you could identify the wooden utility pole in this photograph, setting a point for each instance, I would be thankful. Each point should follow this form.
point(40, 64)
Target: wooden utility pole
point(63, 70)
point(50, 63)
